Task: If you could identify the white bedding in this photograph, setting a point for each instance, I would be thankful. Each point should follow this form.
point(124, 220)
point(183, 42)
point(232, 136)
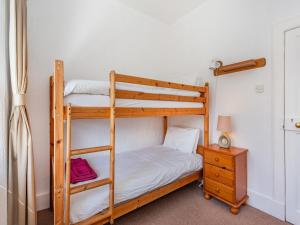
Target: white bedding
point(137, 172)
point(94, 87)
point(103, 101)
point(96, 93)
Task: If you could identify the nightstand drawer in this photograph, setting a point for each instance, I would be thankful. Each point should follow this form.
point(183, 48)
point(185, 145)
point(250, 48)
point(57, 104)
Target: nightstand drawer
point(220, 160)
point(221, 190)
point(218, 174)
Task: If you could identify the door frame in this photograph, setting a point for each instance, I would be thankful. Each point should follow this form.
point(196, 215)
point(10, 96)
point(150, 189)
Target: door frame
point(278, 144)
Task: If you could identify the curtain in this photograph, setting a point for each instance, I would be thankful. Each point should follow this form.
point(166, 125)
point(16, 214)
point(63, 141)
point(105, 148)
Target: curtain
point(4, 108)
point(21, 180)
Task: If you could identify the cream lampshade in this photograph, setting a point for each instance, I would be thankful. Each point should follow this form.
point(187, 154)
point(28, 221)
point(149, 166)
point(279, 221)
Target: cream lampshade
point(225, 126)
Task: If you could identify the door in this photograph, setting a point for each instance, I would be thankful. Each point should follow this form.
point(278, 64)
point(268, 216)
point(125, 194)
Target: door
point(292, 125)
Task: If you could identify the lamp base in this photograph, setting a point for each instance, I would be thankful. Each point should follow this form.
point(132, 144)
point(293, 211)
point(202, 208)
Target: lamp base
point(224, 141)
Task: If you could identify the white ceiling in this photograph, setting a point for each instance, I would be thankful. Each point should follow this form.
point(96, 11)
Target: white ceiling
point(167, 11)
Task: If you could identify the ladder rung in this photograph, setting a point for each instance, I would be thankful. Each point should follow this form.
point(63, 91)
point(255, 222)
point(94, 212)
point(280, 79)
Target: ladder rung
point(88, 186)
point(90, 150)
point(98, 217)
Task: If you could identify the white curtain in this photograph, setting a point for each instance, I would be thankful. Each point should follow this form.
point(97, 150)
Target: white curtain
point(21, 180)
point(4, 108)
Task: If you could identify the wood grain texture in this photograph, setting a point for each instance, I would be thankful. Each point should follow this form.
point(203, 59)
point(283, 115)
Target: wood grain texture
point(223, 191)
point(200, 150)
point(219, 174)
point(218, 159)
point(206, 116)
point(240, 66)
point(58, 143)
point(241, 176)
point(232, 151)
point(82, 151)
point(90, 185)
point(95, 219)
point(225, 175)
point(112, 144)
point(79, 112)
point(157, 83)
point(159, 97)
point(68, 165)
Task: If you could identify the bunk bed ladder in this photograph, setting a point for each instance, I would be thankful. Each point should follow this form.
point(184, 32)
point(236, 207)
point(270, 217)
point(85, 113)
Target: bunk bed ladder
point(107, 181)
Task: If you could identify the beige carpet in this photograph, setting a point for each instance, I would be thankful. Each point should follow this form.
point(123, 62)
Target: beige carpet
point(186, 206)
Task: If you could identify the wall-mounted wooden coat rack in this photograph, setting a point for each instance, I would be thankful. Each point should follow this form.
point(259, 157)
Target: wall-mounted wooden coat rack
point(240, 66)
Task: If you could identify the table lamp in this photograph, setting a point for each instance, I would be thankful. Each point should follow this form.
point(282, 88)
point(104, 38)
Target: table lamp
point(224, 125)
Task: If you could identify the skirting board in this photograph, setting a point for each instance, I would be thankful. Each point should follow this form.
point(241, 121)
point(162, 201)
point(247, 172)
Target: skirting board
point(266, 204)
point(256, 200)
point(42, 201)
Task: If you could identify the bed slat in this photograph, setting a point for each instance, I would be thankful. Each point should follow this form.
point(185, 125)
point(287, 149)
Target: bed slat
point(160, 97)
point(129, 112)
point(96, 218)
point(88, 186)
point(157, 83)
point(90, 150)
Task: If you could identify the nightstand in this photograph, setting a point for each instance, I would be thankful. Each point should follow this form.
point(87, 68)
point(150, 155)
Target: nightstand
point(225, 175)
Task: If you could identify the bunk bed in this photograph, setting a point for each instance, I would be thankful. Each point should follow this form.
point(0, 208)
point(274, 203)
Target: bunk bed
point(62, 112)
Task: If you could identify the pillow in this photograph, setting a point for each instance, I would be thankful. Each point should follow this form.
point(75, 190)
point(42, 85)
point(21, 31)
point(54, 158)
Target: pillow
point(182, 139)
point(91, 87)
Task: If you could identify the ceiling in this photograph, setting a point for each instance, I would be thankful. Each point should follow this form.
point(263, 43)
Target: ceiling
point(167, 11)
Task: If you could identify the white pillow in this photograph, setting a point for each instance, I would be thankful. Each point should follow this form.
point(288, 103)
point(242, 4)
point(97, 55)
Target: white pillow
point(182, 139)
point(91, 87)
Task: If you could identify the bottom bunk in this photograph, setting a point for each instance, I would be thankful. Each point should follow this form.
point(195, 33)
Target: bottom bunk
point(140, 177)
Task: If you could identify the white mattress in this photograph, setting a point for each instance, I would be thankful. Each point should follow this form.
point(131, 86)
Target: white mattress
point(95, 87)
point(136, 173)
point(103, 101)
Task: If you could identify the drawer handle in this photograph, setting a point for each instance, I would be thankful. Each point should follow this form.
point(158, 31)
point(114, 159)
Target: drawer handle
point(218, 190)
point(217, 159)
point(217, 175)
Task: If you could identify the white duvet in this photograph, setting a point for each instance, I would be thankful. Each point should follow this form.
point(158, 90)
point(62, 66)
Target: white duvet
point(136, 173)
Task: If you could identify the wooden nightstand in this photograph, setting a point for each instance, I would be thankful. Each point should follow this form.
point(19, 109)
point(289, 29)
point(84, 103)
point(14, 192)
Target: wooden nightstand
point(225, 175)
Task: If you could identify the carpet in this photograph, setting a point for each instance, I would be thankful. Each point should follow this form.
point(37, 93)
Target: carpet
point(186, 206)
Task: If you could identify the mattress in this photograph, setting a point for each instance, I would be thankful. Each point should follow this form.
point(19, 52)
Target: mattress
point(136, 173)
point(89, 100)
point(95, 87)
point(96, 94)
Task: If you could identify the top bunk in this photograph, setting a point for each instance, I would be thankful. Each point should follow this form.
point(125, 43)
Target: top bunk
point(129, 96)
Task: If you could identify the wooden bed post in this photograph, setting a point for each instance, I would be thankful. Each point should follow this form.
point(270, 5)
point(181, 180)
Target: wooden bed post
point(58, 162)
point(112, 144)
point(165, 121)
point(68, 164)
point(206, 116)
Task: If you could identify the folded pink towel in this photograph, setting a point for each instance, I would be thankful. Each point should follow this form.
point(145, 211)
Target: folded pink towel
point(81, 171)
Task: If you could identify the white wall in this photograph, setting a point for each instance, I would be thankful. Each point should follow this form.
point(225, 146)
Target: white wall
point(96, 37)
point(236, 30)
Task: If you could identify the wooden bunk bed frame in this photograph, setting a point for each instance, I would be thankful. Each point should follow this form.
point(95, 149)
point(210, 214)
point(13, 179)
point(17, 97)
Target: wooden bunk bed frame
point(60, 112)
